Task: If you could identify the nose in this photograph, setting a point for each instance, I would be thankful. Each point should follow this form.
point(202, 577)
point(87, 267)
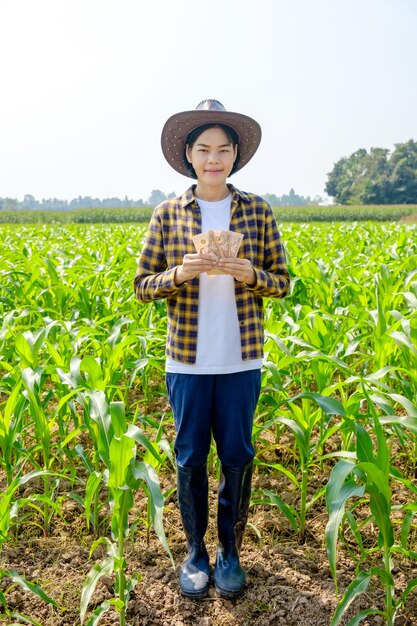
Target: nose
point(213, 156)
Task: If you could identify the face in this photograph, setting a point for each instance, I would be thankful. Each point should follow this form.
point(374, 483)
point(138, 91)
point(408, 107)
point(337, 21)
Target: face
point(212, 157)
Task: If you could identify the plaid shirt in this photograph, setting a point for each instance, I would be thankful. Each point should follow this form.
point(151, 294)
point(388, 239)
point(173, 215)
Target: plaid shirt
point(173, 224)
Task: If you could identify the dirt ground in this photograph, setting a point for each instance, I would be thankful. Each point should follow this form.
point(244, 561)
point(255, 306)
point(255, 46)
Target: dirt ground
point(288, 584)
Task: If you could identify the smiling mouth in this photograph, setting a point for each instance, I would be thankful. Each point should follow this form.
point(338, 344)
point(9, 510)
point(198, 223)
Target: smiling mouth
point(213, 171)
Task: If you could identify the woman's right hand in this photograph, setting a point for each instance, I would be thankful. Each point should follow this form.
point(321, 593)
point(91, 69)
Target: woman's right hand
point(193, 265)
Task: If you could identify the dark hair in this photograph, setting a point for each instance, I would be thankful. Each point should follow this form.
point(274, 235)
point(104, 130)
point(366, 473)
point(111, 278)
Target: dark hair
point(190, 140)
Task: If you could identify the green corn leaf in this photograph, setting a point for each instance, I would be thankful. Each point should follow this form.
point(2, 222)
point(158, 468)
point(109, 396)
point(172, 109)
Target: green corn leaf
point(406, 403)
point(376, 477)
point(11, 403)
point(118, 418)
point(97, 614)
point(364, 448)
point(283, 470)
point(299, 434)
point(316, 496)
point(24, 349)
point(67, 397)
point(72, 435)
point(360, 616)
point(122, 451)
point(382, 402)
point(411, 585)
point(75, 371)
point(405, 552)
point(340, 472)
point(99, 412)
point(383, 456)
point(147, 473)
point(103, 569)
point(401, 339)
point(380, 500)
point(405, 421)
point(166, 448)
point(338, 491)
point(26, 585)
point(121, 503)
point(135, 433)
point(355, 530)
point(93, 484)
point(133, 581)
point(79, 449)
point(358, 586)
point(275, 500)
point(406, 527)
point(330, 406)
point(23, 619)
point(92, 368)
point(385, 577)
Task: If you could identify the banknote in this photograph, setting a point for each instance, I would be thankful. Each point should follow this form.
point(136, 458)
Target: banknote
point(221, 243)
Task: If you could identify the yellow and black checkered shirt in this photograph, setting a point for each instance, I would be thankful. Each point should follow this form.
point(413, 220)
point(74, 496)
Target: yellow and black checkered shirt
point(168, 239)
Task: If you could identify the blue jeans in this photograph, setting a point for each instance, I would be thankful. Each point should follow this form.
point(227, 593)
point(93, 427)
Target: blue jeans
point(218, 404)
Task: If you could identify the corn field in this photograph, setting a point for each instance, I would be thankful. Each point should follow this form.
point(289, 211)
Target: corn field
point(83, 417)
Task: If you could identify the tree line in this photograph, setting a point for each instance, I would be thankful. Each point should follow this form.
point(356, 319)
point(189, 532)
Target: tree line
point(157, 196)
point(86, 202)
point(376, 177)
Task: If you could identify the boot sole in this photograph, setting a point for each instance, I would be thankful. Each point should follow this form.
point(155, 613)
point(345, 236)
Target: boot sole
point(226, 593)
point(195, 596)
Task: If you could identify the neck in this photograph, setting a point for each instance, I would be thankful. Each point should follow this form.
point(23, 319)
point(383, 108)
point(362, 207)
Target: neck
point(211, 194)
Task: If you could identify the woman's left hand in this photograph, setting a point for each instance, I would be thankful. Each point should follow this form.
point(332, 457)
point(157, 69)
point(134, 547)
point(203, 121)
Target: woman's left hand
point(240, 269)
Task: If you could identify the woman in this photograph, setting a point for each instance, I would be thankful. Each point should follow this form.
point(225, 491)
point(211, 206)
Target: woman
point(215, 325)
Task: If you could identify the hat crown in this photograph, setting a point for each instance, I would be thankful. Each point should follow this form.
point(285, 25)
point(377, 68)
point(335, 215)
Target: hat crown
point(210, 105)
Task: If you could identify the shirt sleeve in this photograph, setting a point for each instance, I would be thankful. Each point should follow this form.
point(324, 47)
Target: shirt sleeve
point(154, 280)
point(273, 279)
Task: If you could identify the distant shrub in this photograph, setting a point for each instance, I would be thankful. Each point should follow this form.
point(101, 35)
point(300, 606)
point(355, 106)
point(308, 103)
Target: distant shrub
point(360, 213)
point(79, 216)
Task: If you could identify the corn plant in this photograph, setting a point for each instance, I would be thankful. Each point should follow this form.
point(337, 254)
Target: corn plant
point(124, 475)
point(369, 477)
point(303, 423)
point(11, 426)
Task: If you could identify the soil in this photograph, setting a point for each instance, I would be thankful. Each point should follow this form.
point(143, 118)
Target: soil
point(288, 583)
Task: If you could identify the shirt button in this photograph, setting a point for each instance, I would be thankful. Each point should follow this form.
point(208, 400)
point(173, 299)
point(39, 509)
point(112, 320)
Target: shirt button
point(242, 323)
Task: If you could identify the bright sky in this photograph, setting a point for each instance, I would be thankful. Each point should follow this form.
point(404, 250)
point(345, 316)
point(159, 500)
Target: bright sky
point(86, 86)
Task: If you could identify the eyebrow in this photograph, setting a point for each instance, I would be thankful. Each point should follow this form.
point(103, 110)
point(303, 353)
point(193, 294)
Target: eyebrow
point(223, 145)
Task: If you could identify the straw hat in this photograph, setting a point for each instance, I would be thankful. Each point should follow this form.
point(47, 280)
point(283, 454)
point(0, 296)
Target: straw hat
point(179, 126)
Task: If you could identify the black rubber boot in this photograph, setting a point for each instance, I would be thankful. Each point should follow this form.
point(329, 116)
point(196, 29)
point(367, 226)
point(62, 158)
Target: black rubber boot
point(192, 491)
point(234, 498)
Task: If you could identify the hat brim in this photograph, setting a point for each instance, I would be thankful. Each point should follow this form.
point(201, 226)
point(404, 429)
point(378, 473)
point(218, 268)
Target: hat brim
point(177, 128)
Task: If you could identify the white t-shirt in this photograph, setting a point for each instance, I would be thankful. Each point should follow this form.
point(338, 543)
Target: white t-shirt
point(218, 337)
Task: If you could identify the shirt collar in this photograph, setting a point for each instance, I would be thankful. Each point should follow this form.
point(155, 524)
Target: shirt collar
point(188, 197)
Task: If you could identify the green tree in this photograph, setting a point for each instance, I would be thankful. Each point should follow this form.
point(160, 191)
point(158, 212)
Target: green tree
point(403, 177)
point(10, 204)
point(157, 196)
point(376, 177)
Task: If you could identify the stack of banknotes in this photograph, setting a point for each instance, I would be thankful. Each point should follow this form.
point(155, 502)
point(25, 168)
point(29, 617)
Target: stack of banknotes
point(224, 244)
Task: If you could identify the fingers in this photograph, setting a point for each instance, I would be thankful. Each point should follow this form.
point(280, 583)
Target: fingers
point(195, 264)
point(240, 269)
